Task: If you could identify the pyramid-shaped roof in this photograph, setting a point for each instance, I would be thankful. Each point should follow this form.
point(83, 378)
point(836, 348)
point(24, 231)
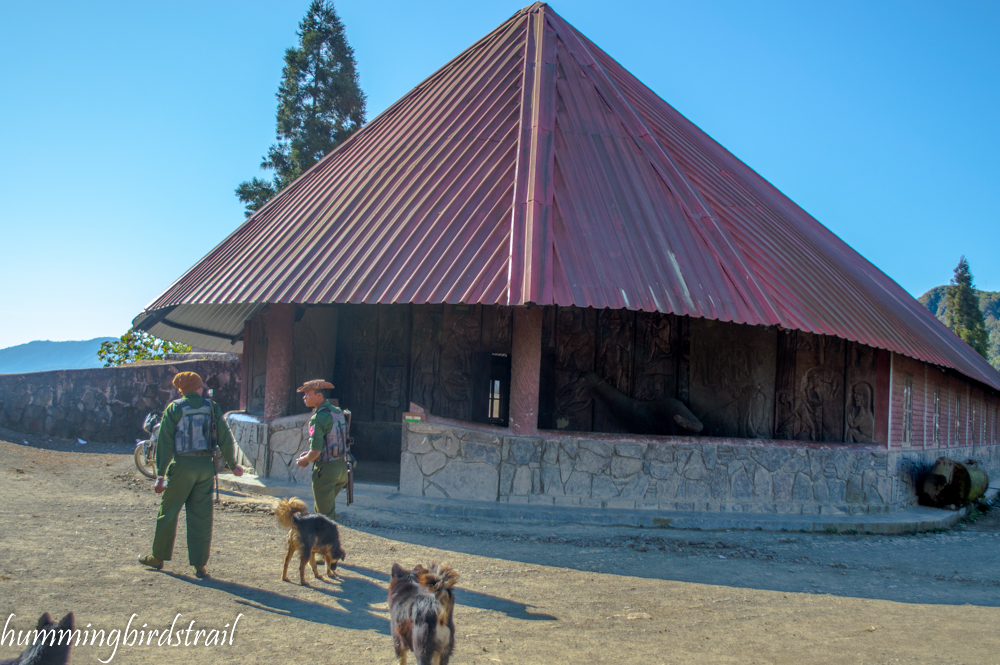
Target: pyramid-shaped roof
point(533, 168)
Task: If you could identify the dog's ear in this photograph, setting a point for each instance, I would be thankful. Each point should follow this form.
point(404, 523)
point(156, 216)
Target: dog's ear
point(44, 621)
point(67, 622)
point(397, 570)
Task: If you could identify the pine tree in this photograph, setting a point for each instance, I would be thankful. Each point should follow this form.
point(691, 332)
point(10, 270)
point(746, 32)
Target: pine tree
point(320, 104)
point(962, 313)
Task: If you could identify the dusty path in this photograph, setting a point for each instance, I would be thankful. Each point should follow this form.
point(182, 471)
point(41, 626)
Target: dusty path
point(72, 521)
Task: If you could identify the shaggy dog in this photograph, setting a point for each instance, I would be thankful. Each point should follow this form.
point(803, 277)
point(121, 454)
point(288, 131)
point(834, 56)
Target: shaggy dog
point(421, 605)
point(308, 534)
point(47, 646)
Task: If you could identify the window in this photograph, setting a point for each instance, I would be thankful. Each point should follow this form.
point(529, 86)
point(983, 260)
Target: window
point(498, 394)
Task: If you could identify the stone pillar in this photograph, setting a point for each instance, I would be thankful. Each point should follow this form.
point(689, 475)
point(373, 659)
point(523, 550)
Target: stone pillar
point(279, 323)
point(525, 370)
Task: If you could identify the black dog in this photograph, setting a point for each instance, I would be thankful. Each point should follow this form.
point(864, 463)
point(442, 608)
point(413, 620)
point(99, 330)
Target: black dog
point(47, 646)
point(309, 533)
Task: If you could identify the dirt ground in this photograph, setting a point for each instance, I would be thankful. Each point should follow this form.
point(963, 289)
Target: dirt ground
point(73, 518)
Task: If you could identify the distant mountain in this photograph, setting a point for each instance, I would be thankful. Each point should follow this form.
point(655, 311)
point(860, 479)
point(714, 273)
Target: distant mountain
point(989, 303)
point(40, 356)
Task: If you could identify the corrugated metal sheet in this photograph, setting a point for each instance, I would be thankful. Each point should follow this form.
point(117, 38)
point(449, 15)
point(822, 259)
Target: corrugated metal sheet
point(212, 326)
point(534, 168)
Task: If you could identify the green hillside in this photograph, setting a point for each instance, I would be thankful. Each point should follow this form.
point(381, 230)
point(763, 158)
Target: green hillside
point(989, 303)
point(40, 356)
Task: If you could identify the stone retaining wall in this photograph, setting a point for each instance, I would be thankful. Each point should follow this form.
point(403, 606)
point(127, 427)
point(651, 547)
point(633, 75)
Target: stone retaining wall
point(107, 404)
point(271, 447)
point(661, 473)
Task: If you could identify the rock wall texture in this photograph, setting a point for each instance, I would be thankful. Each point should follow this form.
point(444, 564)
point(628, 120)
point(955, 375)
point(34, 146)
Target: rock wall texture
point(708, 475)
point(271, 447)
point(106, 404)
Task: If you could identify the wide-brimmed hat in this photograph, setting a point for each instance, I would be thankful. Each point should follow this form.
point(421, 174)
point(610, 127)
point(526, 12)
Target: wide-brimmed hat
point(314, 384)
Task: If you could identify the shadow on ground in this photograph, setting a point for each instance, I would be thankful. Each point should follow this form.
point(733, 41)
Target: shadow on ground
point(957, 568)
point(347, 605)
point(482, 601)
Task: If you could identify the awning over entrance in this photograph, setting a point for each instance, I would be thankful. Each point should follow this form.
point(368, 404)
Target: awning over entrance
point(215, 327)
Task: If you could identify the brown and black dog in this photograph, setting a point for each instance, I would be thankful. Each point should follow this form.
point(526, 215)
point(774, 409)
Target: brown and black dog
point(421, 608)
point(308, 534)
point(47, 647)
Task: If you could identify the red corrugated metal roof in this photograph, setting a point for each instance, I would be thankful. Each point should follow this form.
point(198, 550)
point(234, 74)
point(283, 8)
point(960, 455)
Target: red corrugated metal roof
point(533, 168)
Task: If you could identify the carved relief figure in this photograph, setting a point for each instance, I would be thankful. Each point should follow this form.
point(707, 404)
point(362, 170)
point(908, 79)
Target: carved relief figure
point(730, 373)
point(456, 366)
point(362, 370)
point(574, 354)
point(388, 392)
point(425, 365)
point(426, 356)
point(503, 325)
point(658, 416)
point(574, 342)
point(654, 361)
point(820, 387)
point(615, 350)
point(860, 415)
point(364, 336)
point(799, 422)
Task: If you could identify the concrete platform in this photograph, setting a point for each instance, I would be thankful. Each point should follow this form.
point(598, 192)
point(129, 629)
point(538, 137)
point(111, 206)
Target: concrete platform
point(372, 498)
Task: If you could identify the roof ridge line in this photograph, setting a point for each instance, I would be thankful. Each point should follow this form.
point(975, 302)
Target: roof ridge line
point(528, 280)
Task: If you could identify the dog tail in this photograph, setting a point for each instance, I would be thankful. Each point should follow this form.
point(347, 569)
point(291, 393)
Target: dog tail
point(288, 508)
point(439, 578)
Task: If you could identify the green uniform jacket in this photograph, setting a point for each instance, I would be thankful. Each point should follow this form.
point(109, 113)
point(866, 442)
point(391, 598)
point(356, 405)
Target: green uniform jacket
point(320, 424)
point(168, 428)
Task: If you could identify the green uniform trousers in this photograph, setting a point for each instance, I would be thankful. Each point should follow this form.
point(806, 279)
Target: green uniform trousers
point(190, 480)
point(328, 478)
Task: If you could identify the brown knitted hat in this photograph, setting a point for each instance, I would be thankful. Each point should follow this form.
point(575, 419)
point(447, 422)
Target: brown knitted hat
point(187, 382)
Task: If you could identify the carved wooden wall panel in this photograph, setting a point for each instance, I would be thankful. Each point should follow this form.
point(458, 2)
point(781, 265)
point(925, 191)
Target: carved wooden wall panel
point(810, 387)
point(732, 378)
point(575, 329)
point(785, 417)
point(859, 394)
point(392, 361)
point(655, 360)
point(497, 328)
point(615, 348)
point(357, 346)
point(425, 354)
point(684, 359)
point(314, 348)
point(461, 337)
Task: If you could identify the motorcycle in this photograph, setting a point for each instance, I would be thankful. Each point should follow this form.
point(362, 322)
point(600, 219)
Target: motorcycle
point(145, 451)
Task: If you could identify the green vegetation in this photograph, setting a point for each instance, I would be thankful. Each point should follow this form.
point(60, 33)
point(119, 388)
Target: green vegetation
point(137, 345)
point(320, 104)
point(962, 317)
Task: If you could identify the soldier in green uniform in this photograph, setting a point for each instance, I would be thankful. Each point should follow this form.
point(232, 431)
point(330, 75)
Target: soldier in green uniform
point(327, 447)
point(185, 472)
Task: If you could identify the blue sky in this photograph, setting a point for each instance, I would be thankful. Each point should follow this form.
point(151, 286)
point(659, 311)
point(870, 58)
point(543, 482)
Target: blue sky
point(125, 127)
